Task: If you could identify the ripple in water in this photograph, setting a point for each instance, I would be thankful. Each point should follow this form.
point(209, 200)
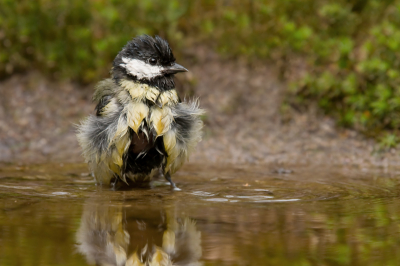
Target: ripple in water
point(61, 193)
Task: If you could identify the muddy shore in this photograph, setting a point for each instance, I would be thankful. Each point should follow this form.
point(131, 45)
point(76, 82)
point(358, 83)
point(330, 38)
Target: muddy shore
point(244, 123)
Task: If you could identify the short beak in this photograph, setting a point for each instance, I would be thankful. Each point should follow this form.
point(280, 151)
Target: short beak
point(175, 68)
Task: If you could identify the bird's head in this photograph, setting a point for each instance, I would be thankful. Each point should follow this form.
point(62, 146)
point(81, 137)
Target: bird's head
point(147, 60)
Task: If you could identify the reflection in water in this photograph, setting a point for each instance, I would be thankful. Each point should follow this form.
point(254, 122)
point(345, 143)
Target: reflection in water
point(337, 220)
point(137, 235)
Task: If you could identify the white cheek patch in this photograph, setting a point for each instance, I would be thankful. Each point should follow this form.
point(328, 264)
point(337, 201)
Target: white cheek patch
point(141, 69)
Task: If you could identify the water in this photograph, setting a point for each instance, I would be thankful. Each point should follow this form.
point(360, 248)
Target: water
point(55, 215)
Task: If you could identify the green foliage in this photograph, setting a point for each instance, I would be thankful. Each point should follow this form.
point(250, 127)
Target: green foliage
point(353, 72)
point(389, 141)
point(77, 39)
point(349, 48)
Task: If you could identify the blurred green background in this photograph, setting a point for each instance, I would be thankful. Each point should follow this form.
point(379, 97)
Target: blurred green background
point(342, 56)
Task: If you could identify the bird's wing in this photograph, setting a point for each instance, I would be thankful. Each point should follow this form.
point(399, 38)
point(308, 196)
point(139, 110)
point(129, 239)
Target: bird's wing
point(105, 100)
point(105, 87)
point(183, 136)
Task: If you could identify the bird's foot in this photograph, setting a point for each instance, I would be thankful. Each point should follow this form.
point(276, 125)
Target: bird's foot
point(169, 179)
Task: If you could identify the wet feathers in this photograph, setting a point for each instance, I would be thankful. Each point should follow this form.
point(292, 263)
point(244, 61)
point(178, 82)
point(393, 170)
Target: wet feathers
point(141, 124)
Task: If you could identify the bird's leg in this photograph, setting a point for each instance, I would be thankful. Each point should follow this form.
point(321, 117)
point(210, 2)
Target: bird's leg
point(114, 182)
point(168, 177)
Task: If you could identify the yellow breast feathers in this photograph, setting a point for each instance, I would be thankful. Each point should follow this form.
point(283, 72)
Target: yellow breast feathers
point(140, 92)
point(158, 117)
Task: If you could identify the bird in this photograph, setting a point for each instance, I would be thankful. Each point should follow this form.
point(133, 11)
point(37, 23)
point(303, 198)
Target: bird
point(141, 127)
point(106, 235)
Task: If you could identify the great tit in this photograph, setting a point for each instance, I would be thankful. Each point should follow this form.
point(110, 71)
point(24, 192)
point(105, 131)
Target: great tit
point(141, 125)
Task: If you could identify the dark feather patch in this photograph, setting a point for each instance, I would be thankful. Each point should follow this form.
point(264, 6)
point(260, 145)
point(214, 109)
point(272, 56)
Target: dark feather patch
point(102, 103)
point(137, 163)
point(183, 122)
point(98, 132)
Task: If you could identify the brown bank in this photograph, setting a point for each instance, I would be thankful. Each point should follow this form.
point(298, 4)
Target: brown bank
point(243, 122)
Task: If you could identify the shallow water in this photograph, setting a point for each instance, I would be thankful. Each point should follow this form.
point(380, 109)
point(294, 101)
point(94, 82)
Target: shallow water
point(55, 215)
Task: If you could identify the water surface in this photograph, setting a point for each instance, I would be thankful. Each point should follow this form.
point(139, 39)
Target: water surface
point(228, 215)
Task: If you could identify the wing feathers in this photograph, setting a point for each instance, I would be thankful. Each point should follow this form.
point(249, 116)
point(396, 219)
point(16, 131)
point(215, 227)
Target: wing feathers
point(184, 134)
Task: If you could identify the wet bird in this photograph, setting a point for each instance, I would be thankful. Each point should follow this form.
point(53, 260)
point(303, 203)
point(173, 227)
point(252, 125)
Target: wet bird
point(141, 125)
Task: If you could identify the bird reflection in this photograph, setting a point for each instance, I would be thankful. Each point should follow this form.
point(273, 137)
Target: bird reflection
point(137, 236)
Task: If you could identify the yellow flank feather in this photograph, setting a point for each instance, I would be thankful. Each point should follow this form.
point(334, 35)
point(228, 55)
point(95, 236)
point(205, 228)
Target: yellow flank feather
point(136, 90)
point(122, 144)
point(101, 157)
point(168, 98)
point(168, 241)
point(174, 99)
point(122, 129)
point(139, 92)
point(177, 153)
point(110, 108)
point(134, 260)
point(164, 98)
point(160, 258)
point(177, 164)
point(116, 158)
point(171, 148)
point(169, 141)
point(161, 119)
point(152, 94)
point(124, 97)
point(113, 167)
point(136, 112)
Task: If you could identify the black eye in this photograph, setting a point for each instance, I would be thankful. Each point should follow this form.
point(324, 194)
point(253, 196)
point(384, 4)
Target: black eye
point(153, 61)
